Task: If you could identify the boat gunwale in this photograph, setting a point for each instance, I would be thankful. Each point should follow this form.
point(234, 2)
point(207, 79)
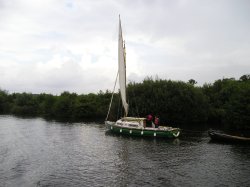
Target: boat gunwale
point(226, 137)
point(147, 128)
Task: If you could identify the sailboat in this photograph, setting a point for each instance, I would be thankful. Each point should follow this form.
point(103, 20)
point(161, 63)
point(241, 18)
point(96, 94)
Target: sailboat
point(133, 126)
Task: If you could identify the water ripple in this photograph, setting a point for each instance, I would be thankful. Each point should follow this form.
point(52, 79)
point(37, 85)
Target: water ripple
point(34, 152)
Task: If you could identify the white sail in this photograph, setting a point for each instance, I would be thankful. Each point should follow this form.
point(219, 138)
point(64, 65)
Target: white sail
point(122, 69)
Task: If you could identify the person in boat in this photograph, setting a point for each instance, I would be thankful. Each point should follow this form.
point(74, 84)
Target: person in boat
point(149, 120)
point(157, 122)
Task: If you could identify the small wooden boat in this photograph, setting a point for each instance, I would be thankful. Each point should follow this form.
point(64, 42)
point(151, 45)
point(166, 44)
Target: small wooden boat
point(221, 137)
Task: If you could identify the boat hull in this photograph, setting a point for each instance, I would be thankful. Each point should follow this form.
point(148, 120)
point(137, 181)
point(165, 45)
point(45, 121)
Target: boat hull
point(220, 137)
point(143, 132)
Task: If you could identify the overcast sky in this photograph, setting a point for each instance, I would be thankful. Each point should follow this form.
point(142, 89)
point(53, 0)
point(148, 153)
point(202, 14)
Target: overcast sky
point(53, 46)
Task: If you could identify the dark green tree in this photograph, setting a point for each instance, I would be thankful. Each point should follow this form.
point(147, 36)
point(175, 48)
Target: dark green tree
point(192, 81)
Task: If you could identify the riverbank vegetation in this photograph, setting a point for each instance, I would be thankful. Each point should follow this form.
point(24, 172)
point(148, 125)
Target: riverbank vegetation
point(225, 103)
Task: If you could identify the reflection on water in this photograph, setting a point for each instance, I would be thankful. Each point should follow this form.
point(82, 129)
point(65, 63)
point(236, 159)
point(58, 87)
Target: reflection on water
point(35, 152)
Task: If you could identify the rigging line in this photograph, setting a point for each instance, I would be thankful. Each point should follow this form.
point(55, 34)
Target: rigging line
point(112, 96)
point(118, 108)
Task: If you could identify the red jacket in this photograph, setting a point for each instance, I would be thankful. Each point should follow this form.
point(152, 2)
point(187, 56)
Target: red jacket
point(149, 117)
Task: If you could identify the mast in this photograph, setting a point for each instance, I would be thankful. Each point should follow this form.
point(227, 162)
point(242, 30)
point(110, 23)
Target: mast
point(122, 68)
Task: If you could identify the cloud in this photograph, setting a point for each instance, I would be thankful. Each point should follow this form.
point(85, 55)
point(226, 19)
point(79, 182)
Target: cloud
point(63, 71)
point(56, 45)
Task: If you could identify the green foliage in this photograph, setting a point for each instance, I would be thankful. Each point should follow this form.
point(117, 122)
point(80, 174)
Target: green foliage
point(4, 105)
point(229, 102)
point(24, 104)
point(192, 81)
point(175, 102)
point(64, 105)
point(225, 103)
point(46, 105)
point(245, 77)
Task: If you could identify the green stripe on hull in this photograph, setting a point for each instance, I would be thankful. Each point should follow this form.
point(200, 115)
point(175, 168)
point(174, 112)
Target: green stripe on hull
point(144, 132)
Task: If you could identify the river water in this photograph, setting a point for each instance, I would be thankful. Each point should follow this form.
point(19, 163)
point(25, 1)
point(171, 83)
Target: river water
point(36, 152)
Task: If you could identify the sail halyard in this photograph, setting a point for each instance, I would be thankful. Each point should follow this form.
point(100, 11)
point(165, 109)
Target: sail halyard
point(122, 69)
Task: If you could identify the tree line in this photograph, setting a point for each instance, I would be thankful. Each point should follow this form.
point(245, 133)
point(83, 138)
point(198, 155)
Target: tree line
point(225, 103)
